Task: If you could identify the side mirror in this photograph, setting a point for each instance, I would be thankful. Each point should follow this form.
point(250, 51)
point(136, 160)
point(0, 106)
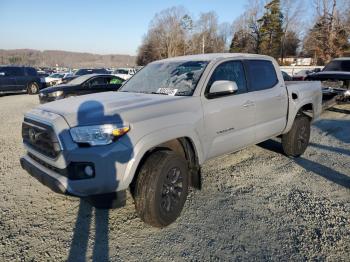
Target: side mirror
point(222, 88)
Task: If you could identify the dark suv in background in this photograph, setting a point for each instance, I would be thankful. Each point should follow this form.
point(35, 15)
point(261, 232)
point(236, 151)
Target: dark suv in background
point(18, 79)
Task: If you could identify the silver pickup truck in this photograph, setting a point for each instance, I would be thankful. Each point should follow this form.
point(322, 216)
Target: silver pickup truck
point(152, 136)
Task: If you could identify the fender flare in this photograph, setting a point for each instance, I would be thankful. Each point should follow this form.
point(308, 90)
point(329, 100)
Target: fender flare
point(293, 111)
point(156, 138)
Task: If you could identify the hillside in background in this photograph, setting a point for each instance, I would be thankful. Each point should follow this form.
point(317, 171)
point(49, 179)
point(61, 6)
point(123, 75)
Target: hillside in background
point(52, 58)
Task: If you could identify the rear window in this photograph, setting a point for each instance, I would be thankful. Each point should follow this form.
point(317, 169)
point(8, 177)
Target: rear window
point(338, 65)
point(121, 71)
point(81, 72)
point(262, 75)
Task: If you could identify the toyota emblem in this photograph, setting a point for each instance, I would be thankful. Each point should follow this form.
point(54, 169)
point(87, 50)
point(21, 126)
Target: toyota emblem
point(33, 135)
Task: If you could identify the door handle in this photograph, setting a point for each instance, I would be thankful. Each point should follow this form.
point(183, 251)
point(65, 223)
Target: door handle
point(248, 103)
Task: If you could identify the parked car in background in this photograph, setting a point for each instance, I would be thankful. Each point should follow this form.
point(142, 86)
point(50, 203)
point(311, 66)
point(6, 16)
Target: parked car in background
point(301, 75)
point(84, 71)
point(42, 74)
point(19, 79)
point(286, 77)
point(124, 73)
point(153, 135)
point(82, 85)
point(56, 78)
point(335, 78)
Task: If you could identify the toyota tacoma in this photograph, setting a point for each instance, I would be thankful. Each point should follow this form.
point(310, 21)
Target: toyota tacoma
point(152, 136)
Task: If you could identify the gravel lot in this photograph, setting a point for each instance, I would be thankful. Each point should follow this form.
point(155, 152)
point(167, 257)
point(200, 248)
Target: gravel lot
point(256, 204)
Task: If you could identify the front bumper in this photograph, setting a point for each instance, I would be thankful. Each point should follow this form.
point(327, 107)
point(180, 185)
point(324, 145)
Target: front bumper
point(108, 200)
point(43, 177)
point(109, 162)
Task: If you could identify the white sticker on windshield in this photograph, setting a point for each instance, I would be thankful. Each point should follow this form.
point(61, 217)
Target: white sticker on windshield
point(167, 91)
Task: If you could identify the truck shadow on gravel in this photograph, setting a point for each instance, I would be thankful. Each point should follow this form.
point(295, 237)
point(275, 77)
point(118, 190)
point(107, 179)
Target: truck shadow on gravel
point(98, 209)
point(339, 129)
point(309, 165)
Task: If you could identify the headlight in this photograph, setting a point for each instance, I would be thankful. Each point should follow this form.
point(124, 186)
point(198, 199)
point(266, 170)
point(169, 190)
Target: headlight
point(55, 94)
point(98, 135)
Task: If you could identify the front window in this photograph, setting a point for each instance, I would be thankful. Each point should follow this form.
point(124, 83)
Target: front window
point(167, 78)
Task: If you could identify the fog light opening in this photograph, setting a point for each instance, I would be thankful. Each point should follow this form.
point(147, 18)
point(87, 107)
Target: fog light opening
point(89, 171)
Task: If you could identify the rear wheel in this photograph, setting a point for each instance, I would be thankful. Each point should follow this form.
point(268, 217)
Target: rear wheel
point(161, 188)
point(295, 142)
point(33, 88)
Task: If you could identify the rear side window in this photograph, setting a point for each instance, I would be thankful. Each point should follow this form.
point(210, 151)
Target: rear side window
point(262, 75)
point(230, 71)
point(31, 71)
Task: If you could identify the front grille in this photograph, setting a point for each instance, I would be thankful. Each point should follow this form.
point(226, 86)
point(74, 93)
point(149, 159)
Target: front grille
point(43, 163)
point(41, 138)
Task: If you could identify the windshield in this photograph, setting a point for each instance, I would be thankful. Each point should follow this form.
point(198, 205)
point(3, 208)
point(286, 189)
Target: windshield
point(167, 78)
point(338, 65)
point(56, 76)
point(79, 80)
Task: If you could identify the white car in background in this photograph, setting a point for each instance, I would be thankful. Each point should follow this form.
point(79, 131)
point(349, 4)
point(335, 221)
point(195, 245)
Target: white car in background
point(124, 73)
point(56, 78)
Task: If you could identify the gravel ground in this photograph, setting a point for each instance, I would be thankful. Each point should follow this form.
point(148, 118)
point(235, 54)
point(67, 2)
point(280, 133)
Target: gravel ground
point(256, 204)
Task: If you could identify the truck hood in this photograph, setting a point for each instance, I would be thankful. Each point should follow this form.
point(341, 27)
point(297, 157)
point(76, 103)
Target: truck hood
point(109, 107)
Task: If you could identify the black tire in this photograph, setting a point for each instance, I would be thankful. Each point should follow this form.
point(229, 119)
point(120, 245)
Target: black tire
point(33, 88)
point(161, 188)
point(295, 142)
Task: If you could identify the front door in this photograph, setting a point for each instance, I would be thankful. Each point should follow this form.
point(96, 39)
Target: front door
point(228, 120)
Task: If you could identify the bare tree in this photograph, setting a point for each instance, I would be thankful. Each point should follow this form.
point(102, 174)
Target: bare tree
point(329, 37)
point(166, 36)
point(206, 38)
point(292, 25)
point(246, 29)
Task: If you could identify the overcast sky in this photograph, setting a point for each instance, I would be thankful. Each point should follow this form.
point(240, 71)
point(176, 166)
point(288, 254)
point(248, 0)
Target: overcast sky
point(102, 27)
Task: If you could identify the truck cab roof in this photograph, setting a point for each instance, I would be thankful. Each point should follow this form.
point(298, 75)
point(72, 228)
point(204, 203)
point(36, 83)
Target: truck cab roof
point(215, 56)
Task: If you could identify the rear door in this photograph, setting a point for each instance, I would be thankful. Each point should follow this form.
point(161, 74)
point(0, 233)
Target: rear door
point(269, 96)
point(21, 78)
point(7, 80)
point(228, 120)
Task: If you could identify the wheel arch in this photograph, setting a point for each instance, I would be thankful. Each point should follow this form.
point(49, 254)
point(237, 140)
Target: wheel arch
point(306, 108)
point(183, 146)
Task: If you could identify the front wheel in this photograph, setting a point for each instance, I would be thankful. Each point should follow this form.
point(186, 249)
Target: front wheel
point(33, 88)
point(161, 188)
point(295, 142)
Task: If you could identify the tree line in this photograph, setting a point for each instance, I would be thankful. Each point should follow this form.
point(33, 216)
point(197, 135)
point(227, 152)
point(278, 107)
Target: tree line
point(279, 28)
